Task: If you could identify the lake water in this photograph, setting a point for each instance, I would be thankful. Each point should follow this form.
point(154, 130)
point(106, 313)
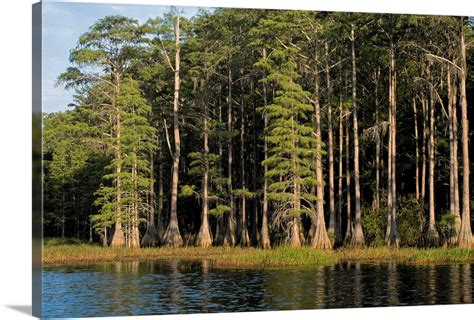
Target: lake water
point(168, 287)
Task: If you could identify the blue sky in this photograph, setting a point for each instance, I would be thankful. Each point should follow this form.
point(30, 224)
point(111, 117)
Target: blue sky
point(63, 23)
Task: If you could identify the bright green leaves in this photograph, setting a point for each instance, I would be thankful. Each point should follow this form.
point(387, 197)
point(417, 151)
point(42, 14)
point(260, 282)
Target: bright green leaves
point(188, 191)
point(243, 193)
point(111, 43)
point(290, 132)
point(116, 113)
point(219, 210)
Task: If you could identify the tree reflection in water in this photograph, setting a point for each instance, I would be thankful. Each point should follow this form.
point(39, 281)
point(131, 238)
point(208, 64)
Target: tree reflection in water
point(172, 286)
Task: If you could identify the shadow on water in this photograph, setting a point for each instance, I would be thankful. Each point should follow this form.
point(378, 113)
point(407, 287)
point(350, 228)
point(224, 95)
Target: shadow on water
point(170, 287)
point(22, 309)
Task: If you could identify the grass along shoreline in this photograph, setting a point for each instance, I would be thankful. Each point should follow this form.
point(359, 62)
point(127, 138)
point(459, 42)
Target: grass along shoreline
point(252, 257)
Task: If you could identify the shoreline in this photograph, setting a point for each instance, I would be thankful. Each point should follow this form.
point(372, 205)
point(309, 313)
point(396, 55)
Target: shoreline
point(248, 257)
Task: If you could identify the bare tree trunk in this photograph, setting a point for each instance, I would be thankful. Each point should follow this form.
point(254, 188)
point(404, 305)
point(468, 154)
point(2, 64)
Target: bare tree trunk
point(357, 239)
point(320, 239)
point(219, 235)
point(330, 150)
point(160, 228)
point(417, 152)
point(230, 238)
point(90, 232)
point(204, 236)
point(105, 239)
point(451, 145)
point(455, 162)
point(465, 239)
point(295, 233)
point(264, 240)
point(244, 234)
point(393, 239)
point(118, 239)
point(377, 142)
point(340, 176)
point(350, 225)
point(126, 228)
point(135, 235)
point(295, 239)
point(172, 237)
point(150, 237)
point(255, 235)
point(432, 236)
point(453, 154)
point(389, 176)
point(424, 148)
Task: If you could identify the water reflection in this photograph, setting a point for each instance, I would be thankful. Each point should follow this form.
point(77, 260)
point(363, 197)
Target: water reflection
point(164, 287)
point(467, 283)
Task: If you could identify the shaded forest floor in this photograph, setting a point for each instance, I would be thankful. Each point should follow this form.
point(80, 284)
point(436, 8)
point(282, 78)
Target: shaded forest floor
point(240, 257)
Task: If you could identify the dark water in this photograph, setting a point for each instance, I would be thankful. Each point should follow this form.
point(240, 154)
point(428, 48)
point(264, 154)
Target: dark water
point(164, 287)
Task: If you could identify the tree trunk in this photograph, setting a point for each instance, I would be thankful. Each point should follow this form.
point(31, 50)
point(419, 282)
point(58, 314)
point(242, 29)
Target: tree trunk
point(350, 225)
point(465, 239)
point(118, 238)
point(219, 235)
point(150, 237)
point(457, 210)
point(135, 235)
point(389, 174)
point(393, 239)
point(424, 149)
point(453, 154)
point(172, 237)
point(377, 142)
point(90, 232)
point(320, 238)
point(230, 238)
point(340, 176)
point(417, 152)
point(264, 240)
point(330, 151)
point(451, 146)
point(160, 228)
point(243, 232)
point(255, 235)
point(357, 239)
point(432, 236)
point(204, 236)
point(105, 239)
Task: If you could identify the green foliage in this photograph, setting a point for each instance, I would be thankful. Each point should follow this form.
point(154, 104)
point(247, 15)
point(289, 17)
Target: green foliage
point(243, 193)
point(374, 222)
point(188, 191)
point(136, 142)
point(410, 221)
point(61, 241)
point(447, 227)
point(291, 150)
point(219, 210)
point(121, 70)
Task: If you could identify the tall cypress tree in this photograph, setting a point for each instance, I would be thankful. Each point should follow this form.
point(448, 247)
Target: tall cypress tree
point(291, 146)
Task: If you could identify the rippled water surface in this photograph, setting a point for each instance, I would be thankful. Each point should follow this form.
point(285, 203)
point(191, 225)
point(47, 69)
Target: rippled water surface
point(166, 287)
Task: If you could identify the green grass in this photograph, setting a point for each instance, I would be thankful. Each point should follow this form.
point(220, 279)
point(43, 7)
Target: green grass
point(407, 255)
point(72, 251)
point(443, 256)
point(219, 256)
point(61, 241)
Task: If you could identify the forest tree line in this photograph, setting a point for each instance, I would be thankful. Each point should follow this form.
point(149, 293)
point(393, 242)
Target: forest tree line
point(264, 127)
